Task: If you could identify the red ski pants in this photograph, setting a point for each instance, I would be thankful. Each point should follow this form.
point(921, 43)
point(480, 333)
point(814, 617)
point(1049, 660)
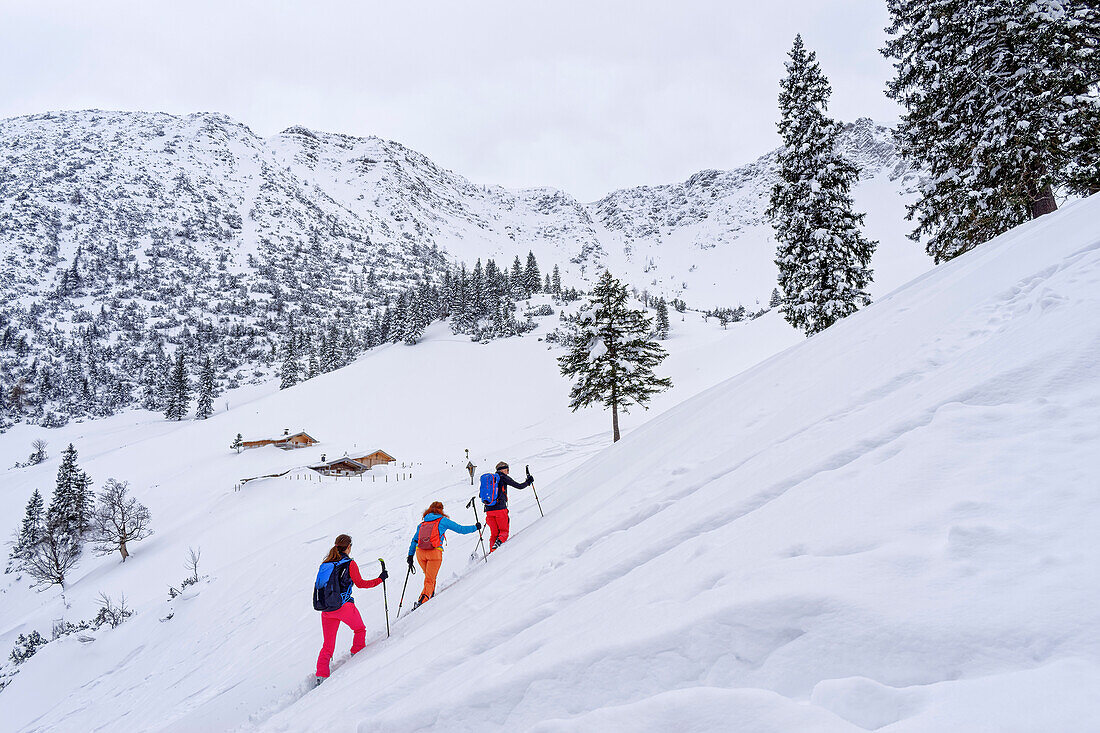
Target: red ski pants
point(430, 561)
point(498, 526)
point(330, 624)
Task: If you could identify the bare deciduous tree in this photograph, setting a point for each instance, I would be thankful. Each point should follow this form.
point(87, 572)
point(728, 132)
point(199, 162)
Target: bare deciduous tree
point(119, 519)
point(110, 612)
point(38, 454)
point(193, 556)
point(49, 559)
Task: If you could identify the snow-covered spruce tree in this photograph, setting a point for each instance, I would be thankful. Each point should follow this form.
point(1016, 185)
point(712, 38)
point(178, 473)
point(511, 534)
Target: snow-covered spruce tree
point(555, 281)
point(532, 279)
point(611, 359)
point(205, 406)
point(416, 319)
point(821, 255)
point(663, 326)
point(313, 368)
point(72, 503)
point(119, 519)
point(32, 530)
point(775, 300)
point(237, 443)
point(515, 283)
point(178, 390)
point(478, 291)
point(1001, 110)
point(290, 369)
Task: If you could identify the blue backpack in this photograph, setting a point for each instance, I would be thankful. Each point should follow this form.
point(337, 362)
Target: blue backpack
point(327, 595)
point(489, 488)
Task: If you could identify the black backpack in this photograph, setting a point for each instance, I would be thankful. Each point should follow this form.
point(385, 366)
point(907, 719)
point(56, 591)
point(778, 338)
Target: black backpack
point(327, 594)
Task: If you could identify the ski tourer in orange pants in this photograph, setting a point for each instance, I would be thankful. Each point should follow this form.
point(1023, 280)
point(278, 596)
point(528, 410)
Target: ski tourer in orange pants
point(427, 545)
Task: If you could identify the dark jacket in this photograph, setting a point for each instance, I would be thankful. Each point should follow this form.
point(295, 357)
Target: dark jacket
point(503, 482)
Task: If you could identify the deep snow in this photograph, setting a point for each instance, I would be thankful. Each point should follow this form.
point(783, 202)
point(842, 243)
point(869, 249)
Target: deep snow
point(890, 526)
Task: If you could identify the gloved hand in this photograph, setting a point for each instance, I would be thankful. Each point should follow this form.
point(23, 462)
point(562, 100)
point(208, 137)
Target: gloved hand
point(384, 574)
point(478, 525)
point(410, 562)
point(530, 479)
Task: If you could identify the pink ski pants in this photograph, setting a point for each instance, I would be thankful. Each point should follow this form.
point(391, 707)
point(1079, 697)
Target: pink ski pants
point(330, 624)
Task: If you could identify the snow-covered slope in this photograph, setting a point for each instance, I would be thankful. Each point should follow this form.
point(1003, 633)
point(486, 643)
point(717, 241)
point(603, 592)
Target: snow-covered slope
point(889, 526)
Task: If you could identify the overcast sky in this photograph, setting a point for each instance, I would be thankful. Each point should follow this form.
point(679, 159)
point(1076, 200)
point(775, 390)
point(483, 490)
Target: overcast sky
point(586, 96)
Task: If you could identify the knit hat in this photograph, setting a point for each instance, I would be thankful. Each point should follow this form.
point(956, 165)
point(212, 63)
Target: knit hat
point(501, 465)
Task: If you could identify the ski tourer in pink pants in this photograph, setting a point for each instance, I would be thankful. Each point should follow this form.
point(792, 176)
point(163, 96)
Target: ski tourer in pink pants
point(348, 614)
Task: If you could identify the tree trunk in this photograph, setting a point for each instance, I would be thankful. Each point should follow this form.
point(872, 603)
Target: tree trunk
point(1043, 202)
point(122, 549)
point(615, 422)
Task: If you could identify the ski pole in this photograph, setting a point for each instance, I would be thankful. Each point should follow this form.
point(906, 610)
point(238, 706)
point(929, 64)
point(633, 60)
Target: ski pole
point(385, 600)
point(480, 538)
point(528, 469)
point(406, 585)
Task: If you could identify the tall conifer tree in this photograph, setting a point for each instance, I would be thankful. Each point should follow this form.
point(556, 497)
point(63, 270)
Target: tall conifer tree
point(1001, 110)
point(822, 257)
point(205, 406)
point(178, 389)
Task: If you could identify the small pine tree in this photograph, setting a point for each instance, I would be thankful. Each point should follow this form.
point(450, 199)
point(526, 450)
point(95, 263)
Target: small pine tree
point(775, 301)
point(313, 368)
point(26, 646)
point(289, 372)
point(178, 390)
point(238, 443)
point(663, 326)
point(416, 319)
point(32, 529)
point(611, 358)
point(532, 278)
point(822, 257)
point(555, 281)
point(205, 406)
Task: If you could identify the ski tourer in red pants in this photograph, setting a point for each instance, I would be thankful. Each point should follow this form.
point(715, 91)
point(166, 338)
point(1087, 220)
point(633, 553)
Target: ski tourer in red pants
point(347, 576)
point(496, 513)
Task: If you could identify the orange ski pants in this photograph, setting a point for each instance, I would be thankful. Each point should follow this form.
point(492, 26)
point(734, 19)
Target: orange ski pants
point(429, 561)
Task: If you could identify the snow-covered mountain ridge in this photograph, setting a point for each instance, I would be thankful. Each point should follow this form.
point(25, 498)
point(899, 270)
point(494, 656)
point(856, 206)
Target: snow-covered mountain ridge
point(125, 236)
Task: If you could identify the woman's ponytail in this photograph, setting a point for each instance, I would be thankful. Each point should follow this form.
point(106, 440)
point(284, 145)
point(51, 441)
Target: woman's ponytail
point(339, 548)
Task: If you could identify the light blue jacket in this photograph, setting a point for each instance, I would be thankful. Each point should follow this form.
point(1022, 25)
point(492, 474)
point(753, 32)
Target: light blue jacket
point(444, 525)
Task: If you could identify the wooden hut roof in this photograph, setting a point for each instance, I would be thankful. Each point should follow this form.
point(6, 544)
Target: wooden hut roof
point(342, 459)
point(364, 454)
